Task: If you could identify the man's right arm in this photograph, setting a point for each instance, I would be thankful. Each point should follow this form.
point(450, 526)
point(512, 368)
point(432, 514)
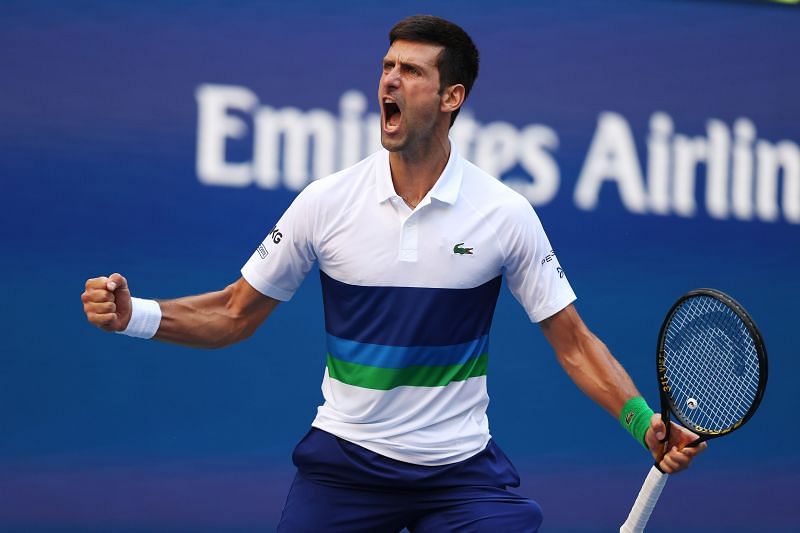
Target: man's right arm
point(210, 320)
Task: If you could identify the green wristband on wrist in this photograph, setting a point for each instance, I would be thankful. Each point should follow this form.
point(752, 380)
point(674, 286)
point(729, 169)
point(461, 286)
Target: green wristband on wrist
point(635, 417)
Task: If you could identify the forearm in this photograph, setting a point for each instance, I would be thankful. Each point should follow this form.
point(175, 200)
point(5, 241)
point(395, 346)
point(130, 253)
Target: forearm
point(214, 319)
point(597, 373)
point(201, 321)
point(588, 361)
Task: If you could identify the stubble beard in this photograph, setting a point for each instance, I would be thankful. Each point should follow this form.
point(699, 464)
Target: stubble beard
point(413, 144)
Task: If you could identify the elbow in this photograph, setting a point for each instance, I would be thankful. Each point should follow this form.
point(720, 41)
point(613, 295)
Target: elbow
point(242, 322)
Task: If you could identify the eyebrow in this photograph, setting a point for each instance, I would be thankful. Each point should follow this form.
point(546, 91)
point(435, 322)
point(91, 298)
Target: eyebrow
point(412, 63)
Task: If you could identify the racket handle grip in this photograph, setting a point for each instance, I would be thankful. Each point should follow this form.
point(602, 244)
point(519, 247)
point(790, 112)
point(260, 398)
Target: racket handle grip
point(645, 502)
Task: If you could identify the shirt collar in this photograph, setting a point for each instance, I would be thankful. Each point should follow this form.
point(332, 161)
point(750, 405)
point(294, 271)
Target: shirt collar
point(445, 189)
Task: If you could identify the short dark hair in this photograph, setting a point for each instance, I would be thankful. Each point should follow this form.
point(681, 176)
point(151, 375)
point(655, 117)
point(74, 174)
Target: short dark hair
point(457, 63)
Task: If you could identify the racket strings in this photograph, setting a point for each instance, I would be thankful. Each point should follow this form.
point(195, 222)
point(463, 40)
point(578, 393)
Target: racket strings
point(712, 364)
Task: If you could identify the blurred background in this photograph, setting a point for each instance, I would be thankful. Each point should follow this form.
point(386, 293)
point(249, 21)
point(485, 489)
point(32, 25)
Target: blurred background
point(659, 142)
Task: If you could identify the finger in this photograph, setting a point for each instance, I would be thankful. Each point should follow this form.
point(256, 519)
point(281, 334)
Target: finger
point(101, 319)
point(100, 307)
point(116, 281)
point(683, 438)
point(98, 295)
point(96, 283)
point(680, 458)
point(669, 465)
point(692, 451)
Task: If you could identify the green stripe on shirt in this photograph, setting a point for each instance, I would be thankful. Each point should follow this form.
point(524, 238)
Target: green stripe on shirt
point(373, 377)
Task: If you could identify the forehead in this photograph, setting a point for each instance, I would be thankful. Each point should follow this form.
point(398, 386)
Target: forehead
point(414, 52)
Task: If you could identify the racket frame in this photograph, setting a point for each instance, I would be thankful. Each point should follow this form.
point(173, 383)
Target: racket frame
point(667, 402)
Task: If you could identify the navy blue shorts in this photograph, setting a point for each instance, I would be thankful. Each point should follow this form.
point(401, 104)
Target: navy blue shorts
point(342, 487)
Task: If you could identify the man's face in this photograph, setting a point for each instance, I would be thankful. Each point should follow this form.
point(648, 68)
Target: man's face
point(408, 94)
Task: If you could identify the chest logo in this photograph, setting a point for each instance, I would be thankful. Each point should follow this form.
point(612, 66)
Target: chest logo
point(460, 250)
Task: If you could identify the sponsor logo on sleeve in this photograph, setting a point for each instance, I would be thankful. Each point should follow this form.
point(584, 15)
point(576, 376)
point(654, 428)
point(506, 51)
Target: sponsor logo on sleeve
point(262, 251)
point(551, 256)
point(276, 235)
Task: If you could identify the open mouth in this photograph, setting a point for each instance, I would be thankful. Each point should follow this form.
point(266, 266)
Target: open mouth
point(391, 115)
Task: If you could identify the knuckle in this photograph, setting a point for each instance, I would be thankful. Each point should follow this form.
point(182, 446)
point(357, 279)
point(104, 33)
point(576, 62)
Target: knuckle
point(101, 296)
point(96, 282)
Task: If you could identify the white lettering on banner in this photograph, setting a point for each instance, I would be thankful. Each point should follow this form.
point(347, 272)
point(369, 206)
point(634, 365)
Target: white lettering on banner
point(741, 181)
point(746, 178)
point(612, 157)
point(215, 124)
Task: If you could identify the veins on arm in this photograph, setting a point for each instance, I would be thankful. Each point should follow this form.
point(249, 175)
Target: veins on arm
point(214, 319)
point(587, 360)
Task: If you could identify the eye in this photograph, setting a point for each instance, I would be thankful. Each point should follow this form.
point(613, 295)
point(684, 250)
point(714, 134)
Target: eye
point(387, 66)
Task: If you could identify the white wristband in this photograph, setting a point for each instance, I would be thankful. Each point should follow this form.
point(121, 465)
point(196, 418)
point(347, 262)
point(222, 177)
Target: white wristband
point(145, 319)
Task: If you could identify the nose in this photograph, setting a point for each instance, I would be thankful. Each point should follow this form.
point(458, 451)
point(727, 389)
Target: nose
point(391, 78)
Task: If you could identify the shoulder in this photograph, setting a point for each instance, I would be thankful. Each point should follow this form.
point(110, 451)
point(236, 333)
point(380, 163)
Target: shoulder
point(342, 186)
point(491, 196)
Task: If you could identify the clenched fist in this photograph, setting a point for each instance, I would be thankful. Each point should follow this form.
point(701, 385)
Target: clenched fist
point(107, 302)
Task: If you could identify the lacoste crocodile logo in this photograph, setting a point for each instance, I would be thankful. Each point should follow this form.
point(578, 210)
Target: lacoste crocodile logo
point(457, 249)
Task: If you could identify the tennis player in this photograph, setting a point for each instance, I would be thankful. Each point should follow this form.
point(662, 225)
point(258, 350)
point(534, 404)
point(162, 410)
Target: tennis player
point(411, 243)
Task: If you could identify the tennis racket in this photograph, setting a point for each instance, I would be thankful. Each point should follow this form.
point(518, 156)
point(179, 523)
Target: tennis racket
point(712, 372)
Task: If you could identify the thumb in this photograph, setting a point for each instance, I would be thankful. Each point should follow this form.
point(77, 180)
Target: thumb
point(116, 281)
point(658, 427)
point(655, 435)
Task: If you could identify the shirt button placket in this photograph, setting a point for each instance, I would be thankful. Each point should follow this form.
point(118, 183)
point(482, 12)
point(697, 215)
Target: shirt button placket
point(409, 239)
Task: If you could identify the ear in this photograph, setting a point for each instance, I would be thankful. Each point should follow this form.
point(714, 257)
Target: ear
point(452, 98)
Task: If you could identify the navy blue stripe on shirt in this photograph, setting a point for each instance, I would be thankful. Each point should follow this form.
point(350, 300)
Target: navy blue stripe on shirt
point(408, 316)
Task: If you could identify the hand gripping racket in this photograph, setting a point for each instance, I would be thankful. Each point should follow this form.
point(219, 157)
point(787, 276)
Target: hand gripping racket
point(712, 372)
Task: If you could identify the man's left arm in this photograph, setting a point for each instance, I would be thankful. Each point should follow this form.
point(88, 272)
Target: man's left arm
point(590, 365)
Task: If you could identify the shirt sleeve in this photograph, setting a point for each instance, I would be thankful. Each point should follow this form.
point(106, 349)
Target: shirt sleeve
point(533, 272)
point(282, 260)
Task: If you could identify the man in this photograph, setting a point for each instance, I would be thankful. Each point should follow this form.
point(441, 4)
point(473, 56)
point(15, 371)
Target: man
point(411, 244)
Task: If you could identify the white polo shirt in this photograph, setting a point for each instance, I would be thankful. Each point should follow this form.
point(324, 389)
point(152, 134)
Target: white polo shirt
point(409, 297)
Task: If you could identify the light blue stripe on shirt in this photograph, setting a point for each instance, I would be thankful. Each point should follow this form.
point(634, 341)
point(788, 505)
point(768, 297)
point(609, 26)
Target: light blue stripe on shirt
point(405, 356)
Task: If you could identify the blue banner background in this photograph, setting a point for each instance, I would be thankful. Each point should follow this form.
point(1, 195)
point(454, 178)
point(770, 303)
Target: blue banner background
point(98, 132)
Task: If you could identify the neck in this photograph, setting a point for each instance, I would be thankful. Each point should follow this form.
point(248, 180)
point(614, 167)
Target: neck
point(414, 172)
